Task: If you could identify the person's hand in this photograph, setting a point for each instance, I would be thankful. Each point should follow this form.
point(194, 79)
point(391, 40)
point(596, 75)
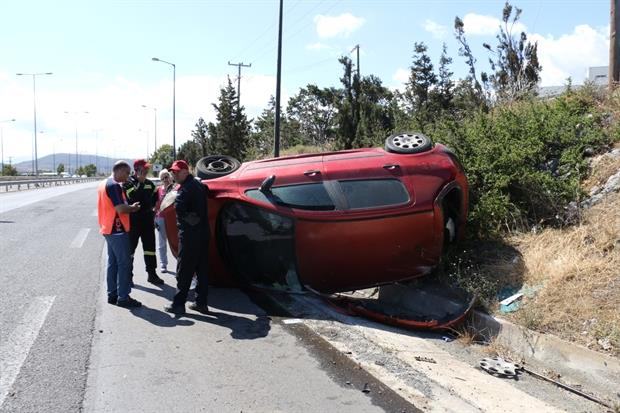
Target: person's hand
point(135, 206)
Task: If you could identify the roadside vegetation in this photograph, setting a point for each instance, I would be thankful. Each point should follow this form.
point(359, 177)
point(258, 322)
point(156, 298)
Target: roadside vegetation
point(530, 164)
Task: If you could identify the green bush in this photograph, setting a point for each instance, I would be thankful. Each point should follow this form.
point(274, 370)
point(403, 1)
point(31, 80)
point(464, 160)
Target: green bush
point(525, 160)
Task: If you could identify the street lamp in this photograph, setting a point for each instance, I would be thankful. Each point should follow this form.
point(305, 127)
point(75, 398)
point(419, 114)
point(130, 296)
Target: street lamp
point(155, 116)
point(34, 94)
point(77, 165)
point(174, 75)
point(2, 143)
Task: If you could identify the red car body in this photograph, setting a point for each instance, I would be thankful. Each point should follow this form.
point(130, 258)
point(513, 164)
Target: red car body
point(336, 221)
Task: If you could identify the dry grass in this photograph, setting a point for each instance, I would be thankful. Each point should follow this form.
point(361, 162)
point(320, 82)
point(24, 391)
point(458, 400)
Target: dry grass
point(579, 271)
point(603, 166)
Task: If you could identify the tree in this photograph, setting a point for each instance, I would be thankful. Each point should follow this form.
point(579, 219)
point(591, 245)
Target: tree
point(422, 79)
point(200, 135)
point(190, 151)
point(60, 168)
point(261, 142)
point(89, 170)
point(376, 119)
point(163, 156)
point(348, 107)
point(315, 112)
point(443, 94)
point(516, 67)
point(230, 134)
point(9, 170)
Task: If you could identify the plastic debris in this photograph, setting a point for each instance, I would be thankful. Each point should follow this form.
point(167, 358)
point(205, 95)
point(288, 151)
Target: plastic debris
point(293, 321)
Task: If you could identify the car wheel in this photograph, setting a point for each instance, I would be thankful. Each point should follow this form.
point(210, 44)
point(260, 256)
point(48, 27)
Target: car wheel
point(215, 166)
point(408, 143)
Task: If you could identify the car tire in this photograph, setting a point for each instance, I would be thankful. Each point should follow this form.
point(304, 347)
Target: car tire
point(215, 166)
point(413, 142)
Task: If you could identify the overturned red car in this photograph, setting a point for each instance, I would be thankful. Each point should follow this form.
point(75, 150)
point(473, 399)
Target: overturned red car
point(335, 221)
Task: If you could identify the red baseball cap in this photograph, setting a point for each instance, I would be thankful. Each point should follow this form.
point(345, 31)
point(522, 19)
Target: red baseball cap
point(141, 163)
point(178, 165)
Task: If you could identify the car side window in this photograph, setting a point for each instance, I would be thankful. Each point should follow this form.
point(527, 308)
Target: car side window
point(373, 193)
point(307, 196)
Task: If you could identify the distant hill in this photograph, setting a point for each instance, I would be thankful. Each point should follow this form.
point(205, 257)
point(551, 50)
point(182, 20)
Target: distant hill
point(46, 163)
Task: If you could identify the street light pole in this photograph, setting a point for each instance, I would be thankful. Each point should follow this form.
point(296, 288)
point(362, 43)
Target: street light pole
point(174, 76)
point(2, 143)
point(77, 164)
point(155, 116)
point(34, 94)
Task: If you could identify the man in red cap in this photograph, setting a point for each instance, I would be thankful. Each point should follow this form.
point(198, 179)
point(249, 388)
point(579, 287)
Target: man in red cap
point(140, 189)
point(193, 224)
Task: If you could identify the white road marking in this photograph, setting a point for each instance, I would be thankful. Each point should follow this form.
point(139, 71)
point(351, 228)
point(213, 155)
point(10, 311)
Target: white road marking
point(80, 238)
point(15, 349)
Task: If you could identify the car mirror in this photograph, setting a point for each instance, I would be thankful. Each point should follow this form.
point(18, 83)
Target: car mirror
point(265, 186)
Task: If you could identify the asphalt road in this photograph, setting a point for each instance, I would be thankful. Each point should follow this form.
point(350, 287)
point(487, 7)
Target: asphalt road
point(64, 349)
point(47, 301)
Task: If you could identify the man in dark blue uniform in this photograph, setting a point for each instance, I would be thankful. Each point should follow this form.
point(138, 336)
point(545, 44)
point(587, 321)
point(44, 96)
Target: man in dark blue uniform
point(193, 224)
point(140, 189)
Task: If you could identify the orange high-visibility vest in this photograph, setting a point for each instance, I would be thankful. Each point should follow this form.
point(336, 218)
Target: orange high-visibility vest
point(107, 213)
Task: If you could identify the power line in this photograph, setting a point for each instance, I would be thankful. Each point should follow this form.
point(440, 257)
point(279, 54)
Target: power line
point(262, 53)
point(239, 66)
point(269, 28)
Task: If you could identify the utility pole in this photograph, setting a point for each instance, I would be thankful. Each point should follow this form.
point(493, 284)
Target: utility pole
point(239, 66)
point(614, 45)
point(357, 47)
point(276, 140)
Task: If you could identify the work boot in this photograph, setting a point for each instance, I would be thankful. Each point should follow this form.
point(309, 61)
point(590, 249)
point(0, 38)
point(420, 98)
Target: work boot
point(154, 279)
point(175, 309)
point(112, 299)
point(201, 308)
point(129, 303)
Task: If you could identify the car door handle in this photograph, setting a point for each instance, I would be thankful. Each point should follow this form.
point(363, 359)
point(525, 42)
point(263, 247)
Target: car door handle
point(390, 166)
point(312, 172)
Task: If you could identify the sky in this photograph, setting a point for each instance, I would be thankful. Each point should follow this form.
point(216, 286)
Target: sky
point(100, 54)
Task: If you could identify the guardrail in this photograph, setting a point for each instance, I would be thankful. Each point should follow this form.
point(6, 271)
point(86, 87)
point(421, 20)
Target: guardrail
point(6, 186)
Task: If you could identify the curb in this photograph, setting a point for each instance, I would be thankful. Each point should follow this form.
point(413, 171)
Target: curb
point(595, 371)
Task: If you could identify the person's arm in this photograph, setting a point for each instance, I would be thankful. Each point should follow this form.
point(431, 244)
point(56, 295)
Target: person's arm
point(127, 209)
point(115, 192)
point(183, 205)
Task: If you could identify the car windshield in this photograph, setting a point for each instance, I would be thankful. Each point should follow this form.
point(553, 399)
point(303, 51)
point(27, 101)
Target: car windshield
point(307, 196)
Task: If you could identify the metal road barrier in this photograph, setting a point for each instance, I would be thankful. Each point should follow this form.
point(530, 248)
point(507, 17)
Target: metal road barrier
point(19, 184)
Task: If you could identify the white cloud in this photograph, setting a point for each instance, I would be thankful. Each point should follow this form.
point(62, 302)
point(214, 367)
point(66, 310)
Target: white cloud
point(318, 46)
point(332, 26)
point(479, 25)
point(401, 76)
point(570, 55)
point(115, 110)
point(437, 30)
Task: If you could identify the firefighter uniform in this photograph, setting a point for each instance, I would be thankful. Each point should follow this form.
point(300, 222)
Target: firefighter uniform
point(194, 233)
point(143, 221)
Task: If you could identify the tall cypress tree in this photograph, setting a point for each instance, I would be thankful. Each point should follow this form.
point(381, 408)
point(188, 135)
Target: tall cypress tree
point(230, 134)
